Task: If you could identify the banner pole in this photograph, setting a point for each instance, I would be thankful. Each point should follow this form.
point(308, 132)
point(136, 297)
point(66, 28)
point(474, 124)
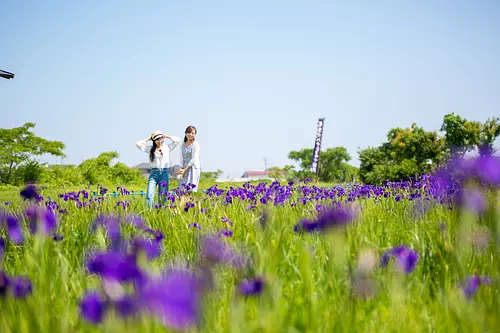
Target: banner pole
point(317, 148)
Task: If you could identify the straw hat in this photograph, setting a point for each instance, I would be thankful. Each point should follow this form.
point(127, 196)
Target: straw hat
point(156, 135)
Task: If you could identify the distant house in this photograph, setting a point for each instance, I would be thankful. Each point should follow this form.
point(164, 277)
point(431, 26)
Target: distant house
point(144, 167)
point(253, 175)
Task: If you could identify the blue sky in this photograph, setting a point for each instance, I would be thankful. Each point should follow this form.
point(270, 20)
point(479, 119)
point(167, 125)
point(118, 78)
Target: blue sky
point(252, 76)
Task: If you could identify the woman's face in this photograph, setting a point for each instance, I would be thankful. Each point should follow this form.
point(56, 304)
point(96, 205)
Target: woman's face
point(159, 141)
point(191, 135)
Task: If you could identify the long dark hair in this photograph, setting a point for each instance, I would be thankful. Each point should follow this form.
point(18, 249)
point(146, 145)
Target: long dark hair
point(152, 152)
point(189, 129)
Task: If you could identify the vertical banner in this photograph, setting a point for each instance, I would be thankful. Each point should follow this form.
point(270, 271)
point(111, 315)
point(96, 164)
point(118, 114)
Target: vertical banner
point(317, 145)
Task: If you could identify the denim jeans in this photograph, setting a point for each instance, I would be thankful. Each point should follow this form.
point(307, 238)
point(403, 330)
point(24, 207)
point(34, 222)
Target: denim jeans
point(155, 177)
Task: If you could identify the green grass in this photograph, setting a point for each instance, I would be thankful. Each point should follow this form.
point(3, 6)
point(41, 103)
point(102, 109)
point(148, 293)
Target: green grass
point(307, 276)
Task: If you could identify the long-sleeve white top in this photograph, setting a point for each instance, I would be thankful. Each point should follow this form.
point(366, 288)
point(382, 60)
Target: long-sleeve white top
point(160, 160)
point(195, 156)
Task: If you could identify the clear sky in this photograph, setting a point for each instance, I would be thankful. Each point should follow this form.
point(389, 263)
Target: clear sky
point(252, 76)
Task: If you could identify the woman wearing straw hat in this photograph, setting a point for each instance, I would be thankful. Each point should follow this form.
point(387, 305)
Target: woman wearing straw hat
point(159, 157)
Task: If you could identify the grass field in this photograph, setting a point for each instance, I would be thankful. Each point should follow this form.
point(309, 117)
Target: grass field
point(260, 258)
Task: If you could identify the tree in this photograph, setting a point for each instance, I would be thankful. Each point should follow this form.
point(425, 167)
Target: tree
point(97, 170)
point(373, 165)
point(490, 131)
point(414, 143)
point(461, 135)
point(18, 145)
point(210, 176)
point(407, 152)
point(277, 173)
point(332, 166)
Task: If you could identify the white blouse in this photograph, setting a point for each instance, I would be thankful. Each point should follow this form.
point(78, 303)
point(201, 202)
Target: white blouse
point(159, 161)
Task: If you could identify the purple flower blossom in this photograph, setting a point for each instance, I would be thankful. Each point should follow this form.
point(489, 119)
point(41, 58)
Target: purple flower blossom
point(126, 306)
point(115, 266)
point(226, 233)
point(136, 221)
point(157, 234)
point(488, 168)
point(188, 205)
point(93, 307)
point(112, 226)
point(4, 283)
point(14, 231)
point(30, 192)
point(194, 225)
point(472, 283)
point(328, 218)
point(215, 251)
point(57, 237)
point(406, 258)
point(20, 286)
point(474, 200)
point(152, 248)
point(2, 248)
point(174, 297)
point(252, 287)
point(226, 220)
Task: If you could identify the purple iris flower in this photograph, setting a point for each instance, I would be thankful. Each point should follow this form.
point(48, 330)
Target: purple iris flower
point(136, 221)
point(2, 247)
point(188, 205)
point(57, 237)
point(226, 233)
point(472, 283)
point(216, 251)
point(152, 248)
point(406, 258)
point(488, 168)
point(334, 217)
point(126, 306)
point(174, 297)
point(14, 231)
point(4, 283)
point(194, 225)
point(30, 192)
point(474, 200)
point(157, 234)
point(252, 287)
point(112, 226)
point(93, 307)
point(226, 220)
point(115, 266)
point(20, 286)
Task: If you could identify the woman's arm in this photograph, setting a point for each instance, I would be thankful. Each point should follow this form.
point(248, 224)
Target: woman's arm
point(142, 145)
point(174, 143)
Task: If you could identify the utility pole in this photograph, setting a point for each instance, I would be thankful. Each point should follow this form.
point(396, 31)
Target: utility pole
point(265, 163)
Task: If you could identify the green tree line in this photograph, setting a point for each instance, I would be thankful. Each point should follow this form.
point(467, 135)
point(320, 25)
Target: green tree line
point(407, 152)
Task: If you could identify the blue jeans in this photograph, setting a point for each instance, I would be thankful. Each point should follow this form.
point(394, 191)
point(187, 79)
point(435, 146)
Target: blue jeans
point(155, 177)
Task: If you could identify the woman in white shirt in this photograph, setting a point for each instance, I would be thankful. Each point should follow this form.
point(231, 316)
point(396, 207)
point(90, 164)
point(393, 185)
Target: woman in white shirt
point(159, 157)
point(191, 168)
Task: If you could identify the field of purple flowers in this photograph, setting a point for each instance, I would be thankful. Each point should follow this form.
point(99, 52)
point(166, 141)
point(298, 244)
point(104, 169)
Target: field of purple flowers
point(414, 256)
